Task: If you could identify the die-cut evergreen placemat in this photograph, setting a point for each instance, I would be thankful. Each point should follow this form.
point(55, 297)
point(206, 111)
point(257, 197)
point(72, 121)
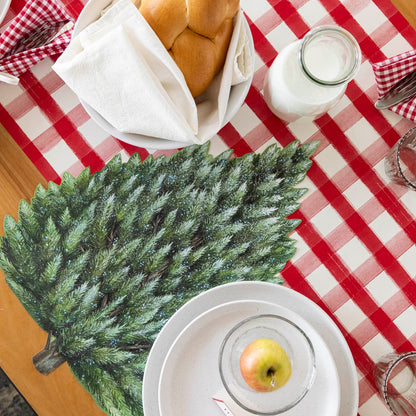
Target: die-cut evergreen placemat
point(102, 261)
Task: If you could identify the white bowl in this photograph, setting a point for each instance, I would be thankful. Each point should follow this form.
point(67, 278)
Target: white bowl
point(4, 6)
point(90, 13)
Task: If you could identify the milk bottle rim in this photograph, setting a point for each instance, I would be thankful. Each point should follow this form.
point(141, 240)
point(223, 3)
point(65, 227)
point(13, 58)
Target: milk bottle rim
point(351, 53)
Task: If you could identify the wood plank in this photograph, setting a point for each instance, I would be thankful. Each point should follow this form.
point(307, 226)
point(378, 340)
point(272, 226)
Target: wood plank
point(20, 337)
point(18, 176)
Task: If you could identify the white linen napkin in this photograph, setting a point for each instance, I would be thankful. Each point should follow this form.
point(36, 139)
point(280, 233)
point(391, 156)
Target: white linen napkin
point(120, 68)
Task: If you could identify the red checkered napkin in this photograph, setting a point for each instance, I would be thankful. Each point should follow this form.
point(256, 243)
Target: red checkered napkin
point(389, 72)
point(22, 43)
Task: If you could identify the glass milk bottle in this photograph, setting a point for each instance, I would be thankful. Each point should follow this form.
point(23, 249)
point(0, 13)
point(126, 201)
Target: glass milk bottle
point(309, 76)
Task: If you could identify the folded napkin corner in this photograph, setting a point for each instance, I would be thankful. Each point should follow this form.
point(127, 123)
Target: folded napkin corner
point(41, 29)
point(389, 72)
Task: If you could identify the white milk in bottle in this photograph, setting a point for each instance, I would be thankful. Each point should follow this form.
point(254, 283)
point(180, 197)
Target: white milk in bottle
point(309, 76)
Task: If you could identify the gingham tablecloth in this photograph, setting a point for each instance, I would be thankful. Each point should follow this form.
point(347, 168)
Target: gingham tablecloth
point(356, 254)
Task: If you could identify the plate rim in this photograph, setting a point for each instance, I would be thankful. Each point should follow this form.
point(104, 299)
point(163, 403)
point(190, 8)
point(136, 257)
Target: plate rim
point(195, 306)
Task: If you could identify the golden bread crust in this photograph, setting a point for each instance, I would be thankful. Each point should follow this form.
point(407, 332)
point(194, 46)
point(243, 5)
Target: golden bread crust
point(196, 33)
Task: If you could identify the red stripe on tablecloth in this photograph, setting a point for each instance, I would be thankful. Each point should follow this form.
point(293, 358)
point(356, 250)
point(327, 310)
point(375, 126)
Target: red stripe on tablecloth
point(262, 46)
point(366, 107)
point(268, 21)
point(321, 249)
point(295, 280)
point(63, 125)
point(13, 128)
point(360, 100)
point(133, 149)
point(290, 16)
point(346, 151)
point(383, 257)
point(93, 161)
point(397, 20)
point(343, 18)
point(365, 172)
point(353, 288)
point(231, 137)
point(382, 194)
point(27, 146)
point(241, 148)
point(79, 116)
point(130, 149)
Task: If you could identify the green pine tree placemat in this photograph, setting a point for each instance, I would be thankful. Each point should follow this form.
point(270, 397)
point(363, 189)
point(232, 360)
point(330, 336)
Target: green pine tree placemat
point(102, 261)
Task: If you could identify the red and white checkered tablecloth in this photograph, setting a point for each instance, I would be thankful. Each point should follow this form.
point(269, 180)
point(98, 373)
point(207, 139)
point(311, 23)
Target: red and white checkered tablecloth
point(27, 39)
point(356, 254)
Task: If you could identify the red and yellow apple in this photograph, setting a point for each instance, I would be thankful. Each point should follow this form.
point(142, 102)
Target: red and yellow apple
point(265, 365)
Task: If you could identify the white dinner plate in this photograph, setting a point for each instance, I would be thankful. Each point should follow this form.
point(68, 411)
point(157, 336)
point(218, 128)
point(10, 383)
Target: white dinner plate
point(90, 13)
point(4, 6)
point(190, 376)
point(261, 291)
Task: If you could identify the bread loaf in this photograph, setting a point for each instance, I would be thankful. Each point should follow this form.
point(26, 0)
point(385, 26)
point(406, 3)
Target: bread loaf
point(196, 33)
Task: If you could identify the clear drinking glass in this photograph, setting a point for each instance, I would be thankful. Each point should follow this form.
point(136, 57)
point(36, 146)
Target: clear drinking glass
point(400, 162)
point(395, 377)
point(298, 347)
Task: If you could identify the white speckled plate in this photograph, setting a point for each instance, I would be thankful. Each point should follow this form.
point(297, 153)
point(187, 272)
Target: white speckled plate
point(190, 374)
point(263, 292)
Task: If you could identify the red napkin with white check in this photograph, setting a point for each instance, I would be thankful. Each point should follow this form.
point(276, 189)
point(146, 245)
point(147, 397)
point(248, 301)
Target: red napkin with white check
point(41, 29)
point(389, 72)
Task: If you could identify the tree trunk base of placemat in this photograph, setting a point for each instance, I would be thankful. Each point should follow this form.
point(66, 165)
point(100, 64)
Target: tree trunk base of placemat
point(12, 402)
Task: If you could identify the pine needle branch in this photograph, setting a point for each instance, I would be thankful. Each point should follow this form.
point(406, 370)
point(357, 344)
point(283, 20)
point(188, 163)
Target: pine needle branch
point(102, 261)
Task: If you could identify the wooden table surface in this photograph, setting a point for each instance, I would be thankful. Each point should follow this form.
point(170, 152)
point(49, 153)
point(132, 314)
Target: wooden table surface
point(20, 337)
point(58, 393)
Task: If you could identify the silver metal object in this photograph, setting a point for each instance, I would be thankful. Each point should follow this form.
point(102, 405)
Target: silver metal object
point(402, 91)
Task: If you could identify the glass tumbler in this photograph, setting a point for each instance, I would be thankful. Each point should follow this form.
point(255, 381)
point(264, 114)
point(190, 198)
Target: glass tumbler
point(400, 162)
point(395, 377)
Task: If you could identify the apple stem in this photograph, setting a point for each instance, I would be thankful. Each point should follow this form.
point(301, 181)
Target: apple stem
point(273, 383)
